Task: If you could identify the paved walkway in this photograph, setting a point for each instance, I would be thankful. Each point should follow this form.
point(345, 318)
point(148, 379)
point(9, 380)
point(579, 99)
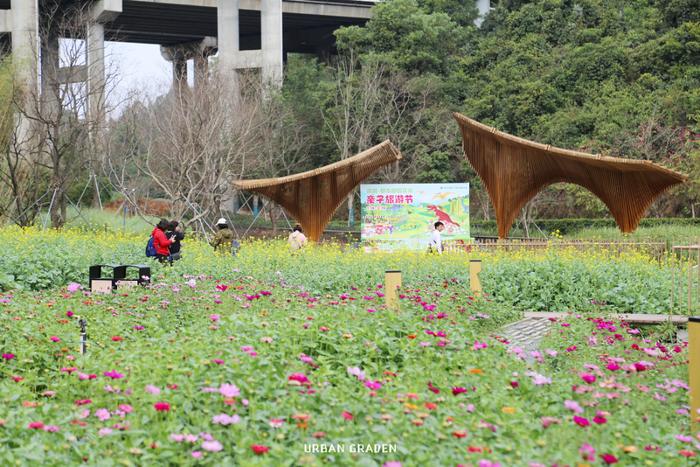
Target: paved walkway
point(526, 333)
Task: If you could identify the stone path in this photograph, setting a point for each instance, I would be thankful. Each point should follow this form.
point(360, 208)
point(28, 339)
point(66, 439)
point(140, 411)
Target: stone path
point(526, 333)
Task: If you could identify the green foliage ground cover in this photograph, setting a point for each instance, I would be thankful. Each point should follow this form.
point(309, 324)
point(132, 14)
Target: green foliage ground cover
point(548, 280)
point(233, 369)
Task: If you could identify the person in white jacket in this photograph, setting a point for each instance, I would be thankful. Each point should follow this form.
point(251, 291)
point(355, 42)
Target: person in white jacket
point(435, 244)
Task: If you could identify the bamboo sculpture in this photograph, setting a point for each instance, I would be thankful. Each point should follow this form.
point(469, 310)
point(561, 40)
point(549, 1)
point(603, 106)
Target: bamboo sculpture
point(312, 197)
point(514, 170)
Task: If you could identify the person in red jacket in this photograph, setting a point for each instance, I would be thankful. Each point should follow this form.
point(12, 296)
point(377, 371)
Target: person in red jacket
point(160, 241)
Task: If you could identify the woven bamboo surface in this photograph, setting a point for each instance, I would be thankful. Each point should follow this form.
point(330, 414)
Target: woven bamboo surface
point(312, 197)
point(514, 170)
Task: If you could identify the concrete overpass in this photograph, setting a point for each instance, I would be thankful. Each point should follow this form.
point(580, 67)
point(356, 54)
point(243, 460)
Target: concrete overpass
point(245, 33)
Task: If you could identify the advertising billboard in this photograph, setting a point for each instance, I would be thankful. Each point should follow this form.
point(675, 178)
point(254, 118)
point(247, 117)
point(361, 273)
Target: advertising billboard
point(401, 216)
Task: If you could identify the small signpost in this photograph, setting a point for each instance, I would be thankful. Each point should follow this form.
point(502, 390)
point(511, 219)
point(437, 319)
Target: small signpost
point(392, 282)
point(694, 370)
point(474, 270)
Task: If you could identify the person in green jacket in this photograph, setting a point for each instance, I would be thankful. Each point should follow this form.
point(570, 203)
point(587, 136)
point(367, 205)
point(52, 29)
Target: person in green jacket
point(223, 238)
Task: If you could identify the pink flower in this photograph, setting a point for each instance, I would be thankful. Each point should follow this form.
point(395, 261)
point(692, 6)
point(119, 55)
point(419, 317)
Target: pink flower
point(224, 419)
point(600, 419)
point(69, 313)
point(391, 464)
point(612, 366)
point(458, 390)
point(80, 402)
point(306, 359)
point(51, 428)
point(432, 388)
point(102, 414)
point(538, 379)
point(152, 389)
point(276, 422)
point(479, 345)
point(229, 390)
point(588, 378)
point(548, 421)
point(581, 421)
point(161, 406)
point(587, 452)
point(104, 431)
point(265, 293)
point(8, 356)
point(196, 454)
point(347, 415)
point(222, 287)
point(126, 408)
point(36, 426)
point(113, 374)
point(356, 372)
point(218, 361)
point(371, 310)
point(608, 458)
point(573, 406)
point(214, 317)
point(212, 446)
point(74, 287)
point(55, 339)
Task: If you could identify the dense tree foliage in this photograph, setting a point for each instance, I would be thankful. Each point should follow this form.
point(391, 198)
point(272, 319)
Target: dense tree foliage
point(620, 77)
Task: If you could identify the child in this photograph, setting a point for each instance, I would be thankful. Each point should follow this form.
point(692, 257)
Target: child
point(435, 243)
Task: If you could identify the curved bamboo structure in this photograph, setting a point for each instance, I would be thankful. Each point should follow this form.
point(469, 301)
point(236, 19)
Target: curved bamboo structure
point(312, 197)
point(514, 170)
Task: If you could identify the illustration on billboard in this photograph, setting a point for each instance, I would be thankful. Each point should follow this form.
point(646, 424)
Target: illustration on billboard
point(401, 216)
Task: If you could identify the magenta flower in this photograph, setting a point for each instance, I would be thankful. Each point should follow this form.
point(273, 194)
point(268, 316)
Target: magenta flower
point(588, 378)
point(581, 421)
point(229, 390)
point(391, 464)
point(55, 339)
point(162, 406)
point(600, 419)
point(458, 390)
point(479, 345)
point(69, 313)
point(8, 356)
point(265, 293)
point(299, 378)
point(36, 426)
point(612, 366)
point(373, 385)
point(608, 458)
point(214, 317)
point(113, 374)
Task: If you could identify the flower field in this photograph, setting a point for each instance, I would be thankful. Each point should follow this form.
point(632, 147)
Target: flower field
point(270, 358)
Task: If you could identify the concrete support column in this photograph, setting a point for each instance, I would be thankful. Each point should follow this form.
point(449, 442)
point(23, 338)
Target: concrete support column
point(25, 40)
point(228, 38)
point(50, 81)
point(95, 45)
point(271, 41)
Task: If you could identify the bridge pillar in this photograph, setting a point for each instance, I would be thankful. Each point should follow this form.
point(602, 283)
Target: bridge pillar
point(271, 41)
point(24, 26)
point(199, 51)
point(228, 38)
